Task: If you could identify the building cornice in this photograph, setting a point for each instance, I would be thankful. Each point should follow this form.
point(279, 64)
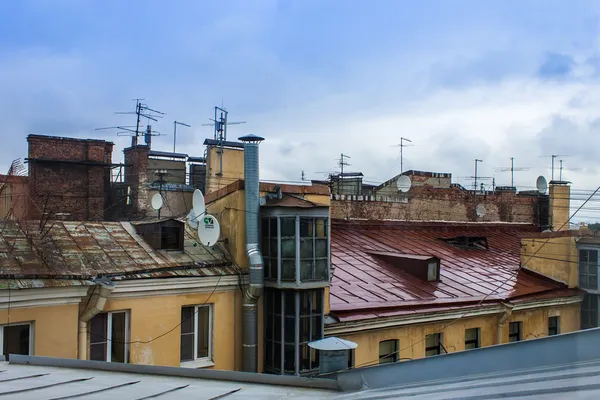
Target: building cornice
point(428, 318)
point(174, 286)
point(42, 297)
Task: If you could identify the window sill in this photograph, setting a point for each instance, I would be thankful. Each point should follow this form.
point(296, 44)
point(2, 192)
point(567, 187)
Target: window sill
point(197, 364)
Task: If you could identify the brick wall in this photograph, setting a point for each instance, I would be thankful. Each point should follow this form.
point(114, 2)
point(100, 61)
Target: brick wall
point(426, 203)
point(136, 178)
point(68, 177)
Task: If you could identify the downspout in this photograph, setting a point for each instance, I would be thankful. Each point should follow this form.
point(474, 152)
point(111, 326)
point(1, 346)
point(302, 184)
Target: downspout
point(255, 259)
point(105, 291)
point(503, 318)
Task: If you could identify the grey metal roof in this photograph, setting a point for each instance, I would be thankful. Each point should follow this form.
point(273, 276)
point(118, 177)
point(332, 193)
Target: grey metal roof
point(36, 378)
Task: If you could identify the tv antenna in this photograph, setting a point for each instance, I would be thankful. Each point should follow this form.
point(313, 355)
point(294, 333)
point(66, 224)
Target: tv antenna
point(220, 124)
point(566, 169)
point(175, 123)
point(512, 170)
point(553, 156)
point(141, 110)
point(402, 145)
point(475, 176)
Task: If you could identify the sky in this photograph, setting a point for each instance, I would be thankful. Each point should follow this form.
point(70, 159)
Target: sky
point(461, 79)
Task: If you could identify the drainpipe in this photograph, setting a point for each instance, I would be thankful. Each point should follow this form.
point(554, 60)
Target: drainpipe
point(105, 290)
point(255, 259)
point(505, 316)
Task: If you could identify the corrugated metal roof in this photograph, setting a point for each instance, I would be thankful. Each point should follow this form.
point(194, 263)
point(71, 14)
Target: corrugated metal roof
point(74, 249)
point(364, 286)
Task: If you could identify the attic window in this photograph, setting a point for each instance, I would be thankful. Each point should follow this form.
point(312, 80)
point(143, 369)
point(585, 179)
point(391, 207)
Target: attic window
point(468, 242)
point(170, 238)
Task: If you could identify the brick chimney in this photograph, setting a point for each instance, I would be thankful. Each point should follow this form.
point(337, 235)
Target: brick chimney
point(560, 193)
point(136, 176)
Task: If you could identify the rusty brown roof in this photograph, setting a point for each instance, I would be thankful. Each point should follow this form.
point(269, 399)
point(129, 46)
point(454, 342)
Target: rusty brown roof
point(76, 250)
point(365, 286)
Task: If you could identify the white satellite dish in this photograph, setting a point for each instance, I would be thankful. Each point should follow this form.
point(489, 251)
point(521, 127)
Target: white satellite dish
point(480, 211)
point(198, 202)
point(208, 230)
point(157, 202)
point(192, 220)
point(403, 183)
point(541, 184)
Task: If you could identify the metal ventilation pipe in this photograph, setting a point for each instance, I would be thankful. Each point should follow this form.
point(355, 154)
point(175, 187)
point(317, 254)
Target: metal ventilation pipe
point(106, 288)
point(255, 259)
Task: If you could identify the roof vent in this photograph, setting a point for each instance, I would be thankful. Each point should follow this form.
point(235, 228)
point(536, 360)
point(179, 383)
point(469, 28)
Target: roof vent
point(468, 242)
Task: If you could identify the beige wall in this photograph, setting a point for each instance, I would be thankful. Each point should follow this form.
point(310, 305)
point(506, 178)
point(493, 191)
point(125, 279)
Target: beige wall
point(559, 206)
point(412, 338)
point(54, 329)
point(556, 258)
point(233, 167)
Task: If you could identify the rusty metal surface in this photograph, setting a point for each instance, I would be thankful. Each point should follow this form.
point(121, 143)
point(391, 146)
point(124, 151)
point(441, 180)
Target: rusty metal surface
point(364, 286)
point(86, 249)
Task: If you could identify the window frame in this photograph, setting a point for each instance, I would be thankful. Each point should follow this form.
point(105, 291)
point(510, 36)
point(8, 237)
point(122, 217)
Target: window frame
point(438, 348)
point(590, 311)
point(395, 356)
point(519, 332)
point(586, 274)
point(199, 362)
point(556, 328)
point(108, 335)
point(31, 336)
point(476, 341)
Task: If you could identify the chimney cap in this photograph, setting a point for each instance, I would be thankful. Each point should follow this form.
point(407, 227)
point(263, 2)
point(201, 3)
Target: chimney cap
point(557, 182)
point(251, 138)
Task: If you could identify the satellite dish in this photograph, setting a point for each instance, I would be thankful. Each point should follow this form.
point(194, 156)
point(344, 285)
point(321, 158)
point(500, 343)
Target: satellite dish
point(480, 211)
point(541, 184)
point(198, 202)
point(208, 230)
point(192, 220)
point(157, 202)
point(403, 183)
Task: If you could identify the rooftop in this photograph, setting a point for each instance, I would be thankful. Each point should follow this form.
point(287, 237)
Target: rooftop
point(85, 249)
point(365, 286)
point(266, 187)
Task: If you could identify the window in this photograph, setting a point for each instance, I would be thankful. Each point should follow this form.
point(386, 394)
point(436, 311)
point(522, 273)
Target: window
point(472, 338)
point(109, 336)
point(292, 320)
point(515, 331)
point(433, 345)
point(351, 358)
point(16, 339)
point(588, 269)
point(293, 246)
point(432, 269)
point(388, 351)
point(170, 238)
point(589, 311)
point(196, 333)
point(553, 326)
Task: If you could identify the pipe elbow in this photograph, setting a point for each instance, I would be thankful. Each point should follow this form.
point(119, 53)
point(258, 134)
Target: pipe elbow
point(103, 294)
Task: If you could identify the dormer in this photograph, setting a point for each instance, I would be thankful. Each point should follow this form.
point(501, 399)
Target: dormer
point(424, 267)
point(166, 234)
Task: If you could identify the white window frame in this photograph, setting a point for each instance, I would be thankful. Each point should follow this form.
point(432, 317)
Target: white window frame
point(589, 248)
point(31, 336)
point(109, 335)
point(201, 362)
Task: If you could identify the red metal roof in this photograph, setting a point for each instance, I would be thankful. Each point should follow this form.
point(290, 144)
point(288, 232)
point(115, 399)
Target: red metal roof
point(365, 286)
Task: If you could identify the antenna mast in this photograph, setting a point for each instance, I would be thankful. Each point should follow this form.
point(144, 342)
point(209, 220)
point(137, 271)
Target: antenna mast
point(342, 163)
point(402, 145)
point(175, 123)
point(220, 124)
point(141, 110)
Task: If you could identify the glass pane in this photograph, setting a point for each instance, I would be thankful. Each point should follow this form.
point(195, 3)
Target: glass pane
point(273, 248)
point(273, 231)
point(316, 328)
point(593, 282)
point(98, 351)
point(290, 303)
point(288, 248)
point(314, 358)
point(471, 334)
point(16, 339)
point(321, 226)
point(288, 227)
point(583, 256)
point(593, 257)
point(187, 347)
point(117, 345)
point(305, 329)
point(203, 331)
point(306, 249)
point(267, 264)
point(387, 351)
point(264, 228)
point(187, 320)
point(304, 357)
point(269, 353)
point(321, 269)
point(99, 329)
point(320, 248)
point(274, 271)
point(431, 340)
point(277, 301)
point(290, 329)
point(277, 356)
point(264, 246)
point(317, 301)
point(288, 270)
point(306, 227)
point(277, 328)
point(305, 297)
point(290, 358)
point(306, 270)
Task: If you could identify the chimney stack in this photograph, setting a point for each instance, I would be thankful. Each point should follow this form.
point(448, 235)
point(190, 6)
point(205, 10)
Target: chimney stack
point(560, 194)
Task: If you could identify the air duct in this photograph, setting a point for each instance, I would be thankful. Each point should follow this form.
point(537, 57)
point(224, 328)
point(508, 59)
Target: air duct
point(255, 259)
point(106, 288)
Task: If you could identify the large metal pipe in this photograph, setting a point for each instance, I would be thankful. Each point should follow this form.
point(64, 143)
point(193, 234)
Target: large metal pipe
point(104, 292)
point(255, 259)
point(503, 318)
